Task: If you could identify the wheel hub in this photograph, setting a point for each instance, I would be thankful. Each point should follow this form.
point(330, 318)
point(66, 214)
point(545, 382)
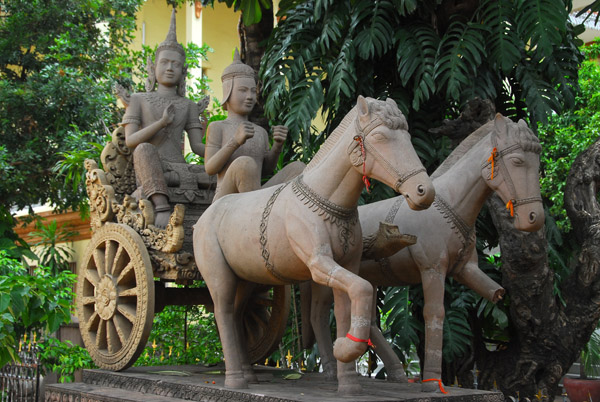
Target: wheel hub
point(106, 297)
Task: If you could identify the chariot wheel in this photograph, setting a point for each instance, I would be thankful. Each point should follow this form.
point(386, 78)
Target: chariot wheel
point(115, 297)
point(264, 320)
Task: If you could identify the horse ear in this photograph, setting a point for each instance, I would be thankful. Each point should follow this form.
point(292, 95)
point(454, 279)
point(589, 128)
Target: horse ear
point(523, 124)
point(363, 107)
point(500, 123)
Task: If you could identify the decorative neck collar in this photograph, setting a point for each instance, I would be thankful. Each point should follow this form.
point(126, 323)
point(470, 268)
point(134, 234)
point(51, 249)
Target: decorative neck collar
point(322, 206)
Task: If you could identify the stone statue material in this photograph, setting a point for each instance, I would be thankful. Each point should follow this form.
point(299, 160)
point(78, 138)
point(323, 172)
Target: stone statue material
point(501, 157)
point(308, 228)
point(154, 123)
point(237, 150)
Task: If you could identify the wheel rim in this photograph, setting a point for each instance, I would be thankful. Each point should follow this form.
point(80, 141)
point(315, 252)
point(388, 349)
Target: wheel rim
point(115, 297)
point(264, 321)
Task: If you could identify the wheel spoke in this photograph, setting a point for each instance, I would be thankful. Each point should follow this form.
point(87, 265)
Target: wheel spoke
point(262, 301)
point(99, 260)
point(110, 250)
point(118, 263)
point(123, 328)
point(92, 277)
point(92, 323)
point(128, 292)
point(127, 311)
point(101, 335)
point(259, 320)
point(87, 300)
point(112, 338)
point(125, 273)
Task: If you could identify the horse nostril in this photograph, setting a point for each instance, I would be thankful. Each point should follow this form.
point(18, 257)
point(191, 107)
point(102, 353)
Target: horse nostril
point(532, 217)
point(421, 189)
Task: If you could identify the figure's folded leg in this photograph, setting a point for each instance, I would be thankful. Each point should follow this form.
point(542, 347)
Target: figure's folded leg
point(149, 176)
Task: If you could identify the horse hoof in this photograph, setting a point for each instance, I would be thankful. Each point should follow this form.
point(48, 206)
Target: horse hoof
point(251, 378)
point(396, 374)
point(349, 389)
point(346, 350)
point(236, 381)
point(430, 387)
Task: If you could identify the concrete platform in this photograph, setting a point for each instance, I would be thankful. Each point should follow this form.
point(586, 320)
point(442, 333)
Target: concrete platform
point(195, 383)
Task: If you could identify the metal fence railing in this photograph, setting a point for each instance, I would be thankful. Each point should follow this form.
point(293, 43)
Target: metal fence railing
point(20, 381)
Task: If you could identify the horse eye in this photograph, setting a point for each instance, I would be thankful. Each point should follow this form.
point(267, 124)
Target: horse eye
point(517, 161)
point(379, 136)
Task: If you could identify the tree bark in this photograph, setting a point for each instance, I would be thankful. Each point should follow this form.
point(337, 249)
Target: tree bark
point(547, 335)
point(252, 48)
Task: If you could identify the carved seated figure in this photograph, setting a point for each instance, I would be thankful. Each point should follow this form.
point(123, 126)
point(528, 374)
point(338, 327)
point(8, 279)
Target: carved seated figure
point(237, 150)
point(154, 123)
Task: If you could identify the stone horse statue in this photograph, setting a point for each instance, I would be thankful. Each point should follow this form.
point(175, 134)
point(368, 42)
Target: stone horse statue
point(502, 157)
point(308, 229)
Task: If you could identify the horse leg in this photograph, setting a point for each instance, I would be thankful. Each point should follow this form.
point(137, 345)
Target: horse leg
point(393, 365)
point(433, 313)
point(243, 294)
point(222, 285)
point(346, 371)
point(326, 271)
point(474, 278)
point(321, 302)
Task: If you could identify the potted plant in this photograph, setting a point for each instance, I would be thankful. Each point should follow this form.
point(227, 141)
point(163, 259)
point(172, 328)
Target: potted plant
point(587, 387)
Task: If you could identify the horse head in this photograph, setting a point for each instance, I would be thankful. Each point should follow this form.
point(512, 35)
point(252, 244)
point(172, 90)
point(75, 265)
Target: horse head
point(382, 149)
point(512, 171)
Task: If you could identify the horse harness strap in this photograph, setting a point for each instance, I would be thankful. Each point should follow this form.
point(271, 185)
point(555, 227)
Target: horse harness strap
point(514, 201)
point(344, 218)
point(466, 232)
point(362, 138)
point(263, 235)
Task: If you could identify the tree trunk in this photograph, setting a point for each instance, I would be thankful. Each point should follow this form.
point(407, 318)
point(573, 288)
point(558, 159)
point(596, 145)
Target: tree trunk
point(547, 335)
point(252, 48)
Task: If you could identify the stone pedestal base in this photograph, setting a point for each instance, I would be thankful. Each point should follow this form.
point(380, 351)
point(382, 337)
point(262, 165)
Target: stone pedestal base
point(194, 383)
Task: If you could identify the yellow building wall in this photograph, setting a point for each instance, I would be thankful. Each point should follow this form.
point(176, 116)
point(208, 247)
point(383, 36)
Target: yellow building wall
point(219, 31)
point(153, 24)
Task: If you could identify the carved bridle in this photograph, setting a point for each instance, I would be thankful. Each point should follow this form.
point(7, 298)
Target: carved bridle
point(497, 157)
point(361, 137)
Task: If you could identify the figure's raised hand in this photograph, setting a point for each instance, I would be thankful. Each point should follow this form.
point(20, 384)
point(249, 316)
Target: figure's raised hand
point(168, 114)
point(280, 134)
point(244, 131)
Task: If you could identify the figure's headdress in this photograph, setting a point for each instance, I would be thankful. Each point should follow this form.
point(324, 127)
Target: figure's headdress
point(235, 69)
point(170, 43)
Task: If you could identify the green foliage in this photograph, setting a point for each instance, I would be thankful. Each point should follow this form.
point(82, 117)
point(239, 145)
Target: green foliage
point(58, 61)
point(64, 358)
point(28, 303)
point(252, 10)
point(52, 248)
point(323, 54)
point(567, 135)
point(182, 335)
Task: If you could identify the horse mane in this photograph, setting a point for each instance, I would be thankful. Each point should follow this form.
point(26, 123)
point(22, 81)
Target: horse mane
point(386, 112)
point(332, 139)
point(462, 148)
point(524, 137)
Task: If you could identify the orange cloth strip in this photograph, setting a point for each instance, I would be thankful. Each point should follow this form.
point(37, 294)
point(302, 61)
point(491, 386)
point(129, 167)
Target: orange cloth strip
point(365, 179)
point(510, 206)
point(355, 339)
point(492, 158)
point(439, 383)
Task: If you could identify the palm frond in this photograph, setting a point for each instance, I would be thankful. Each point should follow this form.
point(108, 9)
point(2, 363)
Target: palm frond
point(503, 44)
point(459, 54)
point(541, 23)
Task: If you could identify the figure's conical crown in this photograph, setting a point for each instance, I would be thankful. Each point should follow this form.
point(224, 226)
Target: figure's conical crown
point(237, 69)
point(170, 43)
